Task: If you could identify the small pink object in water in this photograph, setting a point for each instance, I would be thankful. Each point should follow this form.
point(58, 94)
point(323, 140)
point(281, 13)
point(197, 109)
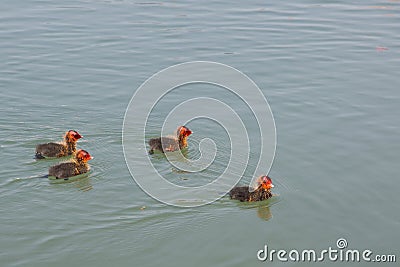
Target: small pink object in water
point(381, 48)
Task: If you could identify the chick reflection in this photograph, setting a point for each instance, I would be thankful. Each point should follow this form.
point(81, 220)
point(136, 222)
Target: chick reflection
point(81, 182)
point(84, 184)
point(179, 157)
point(264, 212)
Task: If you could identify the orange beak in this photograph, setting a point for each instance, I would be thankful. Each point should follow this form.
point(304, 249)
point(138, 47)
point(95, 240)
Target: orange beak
point(267, 186)
point(266, 183)
point(75, 135)
point(185, 131)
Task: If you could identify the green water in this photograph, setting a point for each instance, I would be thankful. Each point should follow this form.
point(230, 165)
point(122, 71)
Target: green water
point(330, 72)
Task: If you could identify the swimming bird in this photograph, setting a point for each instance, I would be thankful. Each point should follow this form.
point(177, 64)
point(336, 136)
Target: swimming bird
point(76, 166)
point(167, 144)
point(262, 192)
point(66, 148)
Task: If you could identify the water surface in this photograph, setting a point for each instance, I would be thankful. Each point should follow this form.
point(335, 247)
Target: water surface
point(328, 70)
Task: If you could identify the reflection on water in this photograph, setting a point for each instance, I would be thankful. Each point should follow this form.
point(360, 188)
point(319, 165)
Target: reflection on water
point(264, 212)
point(84, 184)
point(263, 208)
point(81, 182)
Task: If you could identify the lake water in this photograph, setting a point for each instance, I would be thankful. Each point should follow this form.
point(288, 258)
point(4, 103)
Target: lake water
point(330, 72)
